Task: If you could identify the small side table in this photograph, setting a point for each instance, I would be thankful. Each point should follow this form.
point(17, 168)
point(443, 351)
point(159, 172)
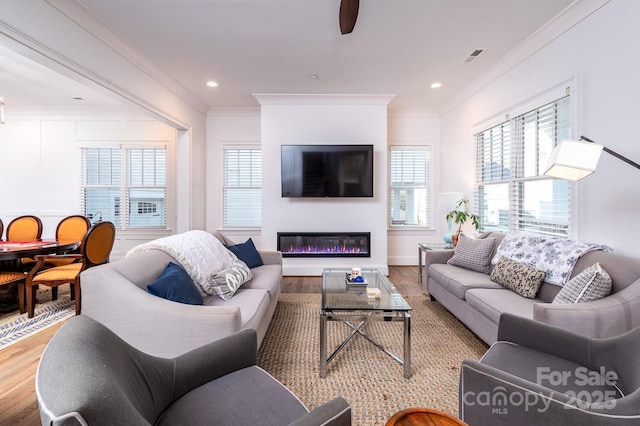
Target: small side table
point(423, 248)
point(423, 416)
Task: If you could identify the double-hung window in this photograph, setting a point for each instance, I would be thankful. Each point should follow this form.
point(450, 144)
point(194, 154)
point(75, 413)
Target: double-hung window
point(512, 192)
point(125, 185)
point(410, 186)
point(242, 186)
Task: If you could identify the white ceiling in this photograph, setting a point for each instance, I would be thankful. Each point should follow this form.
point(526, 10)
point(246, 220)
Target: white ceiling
point(294, 46)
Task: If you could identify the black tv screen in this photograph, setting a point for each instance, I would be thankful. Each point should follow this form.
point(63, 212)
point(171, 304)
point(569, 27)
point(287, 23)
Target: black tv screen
point(327, 170)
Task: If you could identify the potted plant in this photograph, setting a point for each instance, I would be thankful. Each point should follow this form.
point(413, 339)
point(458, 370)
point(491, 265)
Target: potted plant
point(460, 215)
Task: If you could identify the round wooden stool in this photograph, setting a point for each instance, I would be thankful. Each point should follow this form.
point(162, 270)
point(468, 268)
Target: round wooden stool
point(423, 416)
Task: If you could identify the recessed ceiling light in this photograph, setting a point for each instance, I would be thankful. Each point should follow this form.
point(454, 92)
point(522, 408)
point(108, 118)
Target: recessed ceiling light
point(436, 85)
point(212, 83)
point(78, 98)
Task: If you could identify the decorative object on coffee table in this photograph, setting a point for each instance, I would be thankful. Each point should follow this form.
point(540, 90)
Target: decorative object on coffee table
point(423, 416)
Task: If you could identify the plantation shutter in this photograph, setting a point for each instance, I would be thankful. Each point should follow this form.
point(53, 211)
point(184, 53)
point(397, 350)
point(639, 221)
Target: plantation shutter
point(242, 187)
point(410, 186)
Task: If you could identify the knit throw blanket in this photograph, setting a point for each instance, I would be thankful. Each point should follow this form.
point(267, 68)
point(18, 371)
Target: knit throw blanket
point(555, 256)
point(201, 254)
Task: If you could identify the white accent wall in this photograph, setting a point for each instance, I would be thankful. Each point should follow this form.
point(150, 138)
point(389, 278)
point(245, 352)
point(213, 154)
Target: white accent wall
point(327, 120)
point(238, 126)
point(600, 52)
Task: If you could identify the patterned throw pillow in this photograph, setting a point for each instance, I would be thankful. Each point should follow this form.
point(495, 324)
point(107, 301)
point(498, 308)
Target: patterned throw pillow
point(225, 283)
point(473, 253)
point(591, 284)
point(522, 279)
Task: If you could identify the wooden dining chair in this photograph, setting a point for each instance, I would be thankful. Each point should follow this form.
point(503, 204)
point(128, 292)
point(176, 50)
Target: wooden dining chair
point(12, 277)
point(70, 229)
point(8, 276)
point(95, 250)
point(24, 228)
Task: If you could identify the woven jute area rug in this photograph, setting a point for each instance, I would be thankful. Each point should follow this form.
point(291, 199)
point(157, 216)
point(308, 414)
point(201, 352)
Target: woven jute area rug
point(366, 377)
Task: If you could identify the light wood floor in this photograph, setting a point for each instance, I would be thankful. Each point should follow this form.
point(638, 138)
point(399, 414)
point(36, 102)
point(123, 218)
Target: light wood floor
point(18, 362)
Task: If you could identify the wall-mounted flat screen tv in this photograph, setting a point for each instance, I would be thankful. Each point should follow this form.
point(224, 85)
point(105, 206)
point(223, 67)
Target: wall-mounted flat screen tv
point(327, 170)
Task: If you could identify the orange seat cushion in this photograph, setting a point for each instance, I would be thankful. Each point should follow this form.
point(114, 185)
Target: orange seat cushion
point(59, 273)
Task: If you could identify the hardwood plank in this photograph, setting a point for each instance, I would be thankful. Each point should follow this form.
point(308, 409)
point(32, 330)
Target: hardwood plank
point(18, 405)
point(19, 362)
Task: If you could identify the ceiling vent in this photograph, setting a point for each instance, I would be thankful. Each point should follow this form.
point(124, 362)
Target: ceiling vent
point(474, 55)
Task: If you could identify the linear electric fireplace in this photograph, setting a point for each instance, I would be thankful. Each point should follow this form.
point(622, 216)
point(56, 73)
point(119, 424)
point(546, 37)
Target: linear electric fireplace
point(324, 244)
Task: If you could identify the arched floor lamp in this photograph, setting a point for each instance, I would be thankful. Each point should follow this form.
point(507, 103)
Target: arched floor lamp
point(575, 160)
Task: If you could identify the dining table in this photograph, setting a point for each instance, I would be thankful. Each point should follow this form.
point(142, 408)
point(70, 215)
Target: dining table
point(11, 253)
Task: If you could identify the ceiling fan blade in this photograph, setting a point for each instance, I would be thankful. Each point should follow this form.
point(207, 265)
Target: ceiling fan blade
point(348, 15)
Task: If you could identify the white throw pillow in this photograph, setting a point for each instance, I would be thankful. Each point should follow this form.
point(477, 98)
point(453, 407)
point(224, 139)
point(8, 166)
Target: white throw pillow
point(225, 283)
point(591, 284)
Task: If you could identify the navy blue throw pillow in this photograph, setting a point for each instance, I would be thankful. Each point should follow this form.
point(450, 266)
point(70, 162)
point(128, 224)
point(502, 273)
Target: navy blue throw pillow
point(248, 253)
point(176, 284)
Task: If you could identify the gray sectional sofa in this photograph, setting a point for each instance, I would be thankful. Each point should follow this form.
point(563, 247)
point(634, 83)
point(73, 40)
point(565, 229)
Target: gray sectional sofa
point(116, 295)
point(478, 302)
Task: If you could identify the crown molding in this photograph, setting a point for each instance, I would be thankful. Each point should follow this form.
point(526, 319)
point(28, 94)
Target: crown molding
point(321, 99)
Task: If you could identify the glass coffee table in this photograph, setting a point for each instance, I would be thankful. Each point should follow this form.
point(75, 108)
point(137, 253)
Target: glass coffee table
point(343, 301)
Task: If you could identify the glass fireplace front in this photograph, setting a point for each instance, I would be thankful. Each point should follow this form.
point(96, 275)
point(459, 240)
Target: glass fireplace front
point(324, 244)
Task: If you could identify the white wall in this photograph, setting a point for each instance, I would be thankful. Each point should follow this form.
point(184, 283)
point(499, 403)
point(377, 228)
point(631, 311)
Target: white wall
point(600, 51)
point(333, 119)
point(40, 163)
point(228, 126)
point(65, 37)
point(243, 125)
point(419, 127)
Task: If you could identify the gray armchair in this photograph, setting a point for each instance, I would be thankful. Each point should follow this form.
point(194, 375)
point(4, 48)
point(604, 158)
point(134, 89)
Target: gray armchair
point(540, 374)
point(88, 375)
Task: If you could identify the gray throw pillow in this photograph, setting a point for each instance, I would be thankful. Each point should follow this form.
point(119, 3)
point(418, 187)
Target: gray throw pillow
point(591, 284)
point(473, 253)
point(225, 283)
point(515, 276)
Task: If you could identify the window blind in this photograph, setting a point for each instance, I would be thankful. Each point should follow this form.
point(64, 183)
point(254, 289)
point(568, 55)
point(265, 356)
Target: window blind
point(242, 187)
point(543, 203)
point(101, 183)
point(493, 171)
point(512, 192)
point(126, 186)
point(410, 186)
point(146, 187)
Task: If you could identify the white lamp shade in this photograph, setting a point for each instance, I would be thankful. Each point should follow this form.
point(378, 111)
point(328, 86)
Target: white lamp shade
point(573, 160)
